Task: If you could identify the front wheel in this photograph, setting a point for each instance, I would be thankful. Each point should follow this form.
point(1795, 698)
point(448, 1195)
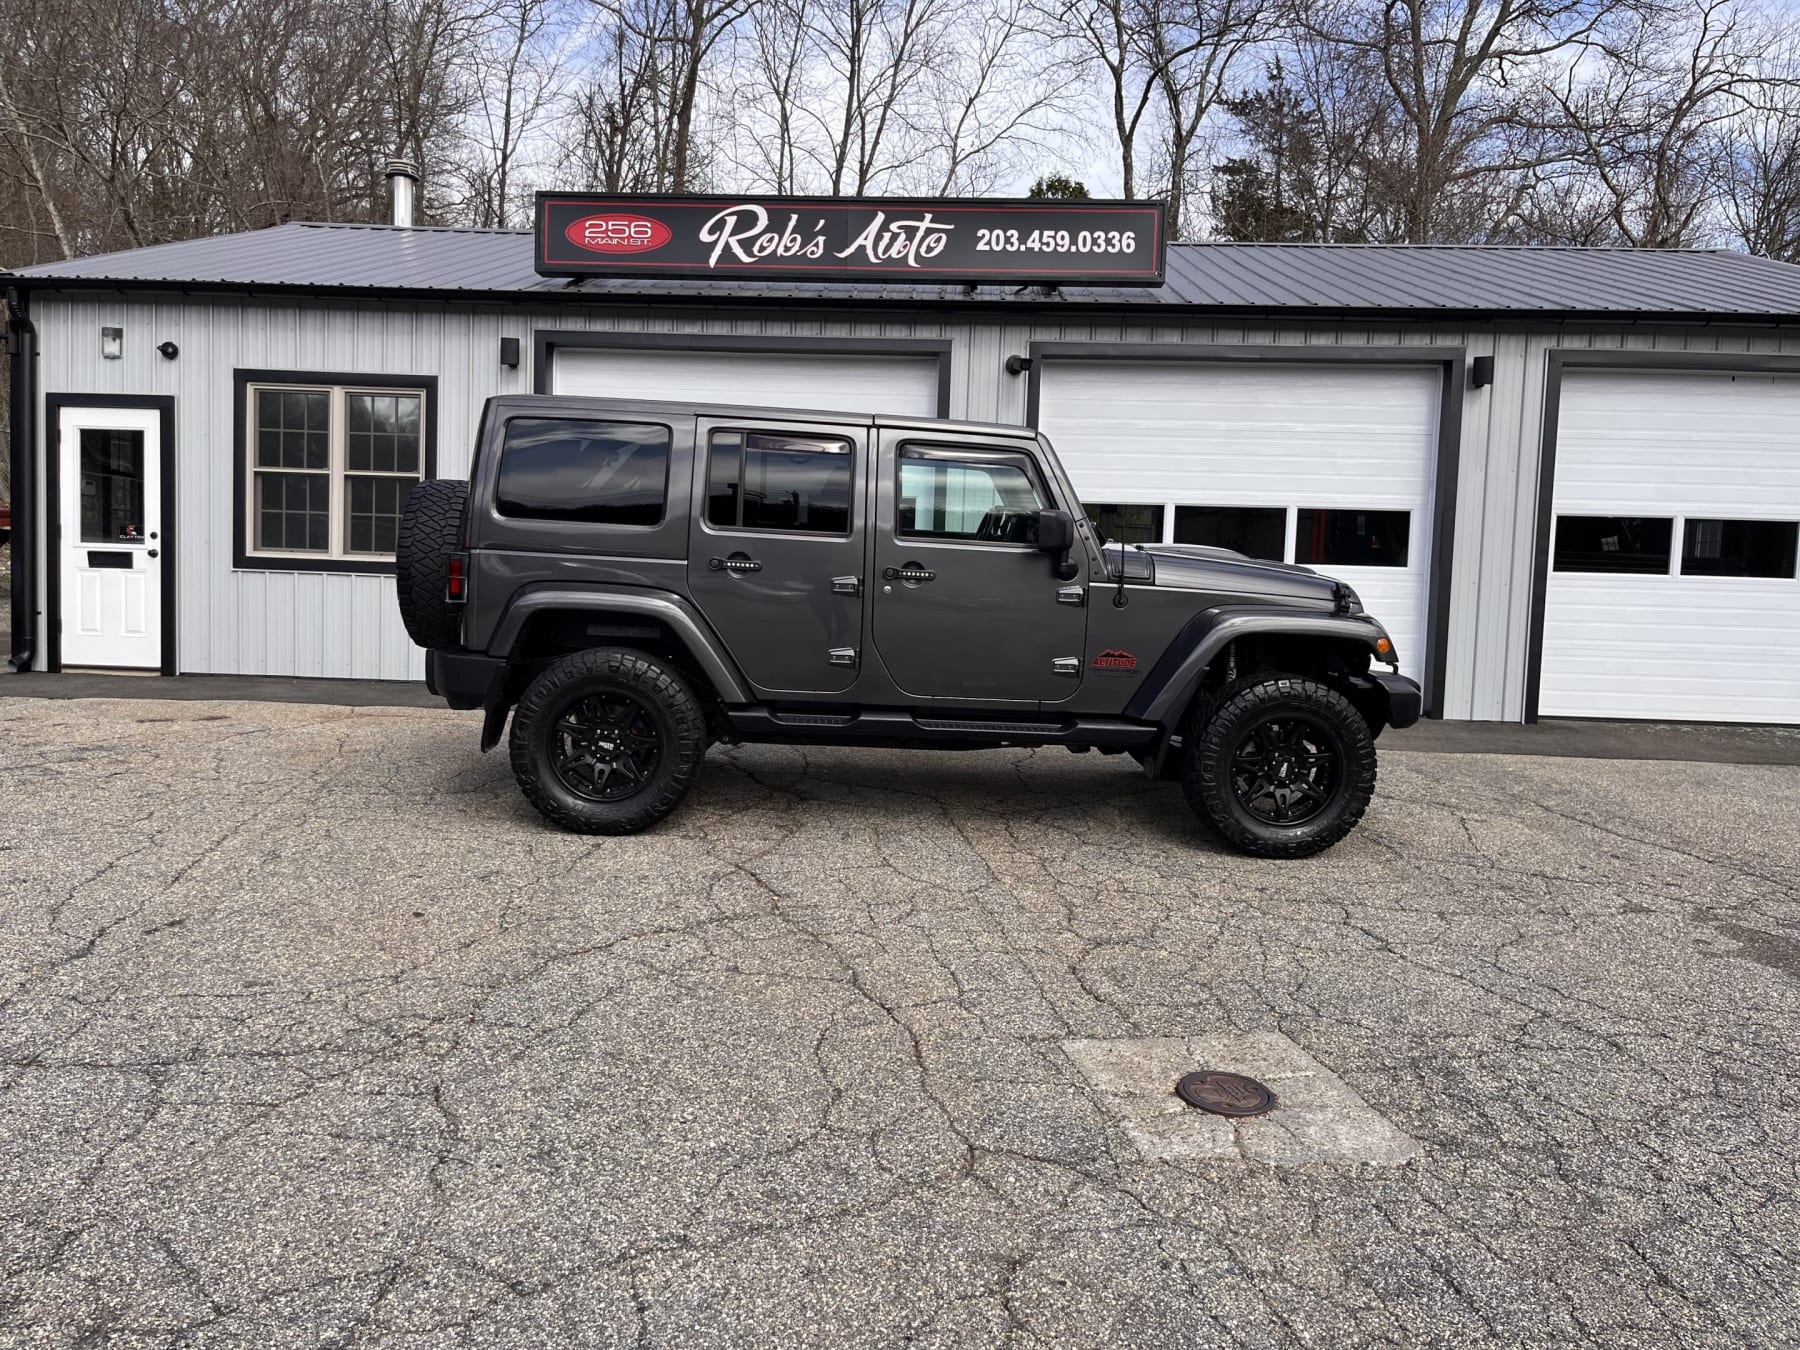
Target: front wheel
point(1284, 767)
point(607, 741)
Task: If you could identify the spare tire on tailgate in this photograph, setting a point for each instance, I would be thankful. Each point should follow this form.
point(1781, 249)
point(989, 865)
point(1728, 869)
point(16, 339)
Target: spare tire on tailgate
point(431, 528)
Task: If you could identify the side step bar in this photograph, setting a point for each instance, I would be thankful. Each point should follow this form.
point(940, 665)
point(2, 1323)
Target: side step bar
point(904, 729)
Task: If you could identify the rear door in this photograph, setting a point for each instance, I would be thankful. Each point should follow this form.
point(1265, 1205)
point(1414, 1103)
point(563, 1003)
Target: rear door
point(966, 606)
point(775, 558)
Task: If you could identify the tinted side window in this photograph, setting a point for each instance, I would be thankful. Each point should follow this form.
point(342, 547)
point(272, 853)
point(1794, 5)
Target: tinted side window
point(599, 473)
point(1613, 544)
point(761, 481)
point(1348, 538)
point(1255, 531)
point(987, 500)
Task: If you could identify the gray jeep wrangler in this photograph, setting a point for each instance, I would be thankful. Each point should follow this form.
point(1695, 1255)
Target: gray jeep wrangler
point(634, 581)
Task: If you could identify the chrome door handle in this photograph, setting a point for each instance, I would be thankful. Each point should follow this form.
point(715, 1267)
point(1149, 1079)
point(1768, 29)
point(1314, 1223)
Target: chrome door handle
point(737, 562)
point(908, 573)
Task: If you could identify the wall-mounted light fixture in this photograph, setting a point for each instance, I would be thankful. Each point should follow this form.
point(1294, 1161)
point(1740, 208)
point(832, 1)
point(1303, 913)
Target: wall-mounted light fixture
point(1017, 365)
point(1481, 372)
point(112, 343)
point(509, 352)
point(169, 350)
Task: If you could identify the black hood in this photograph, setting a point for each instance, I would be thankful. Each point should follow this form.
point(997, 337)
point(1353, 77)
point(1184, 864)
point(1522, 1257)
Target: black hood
point(1193, 567)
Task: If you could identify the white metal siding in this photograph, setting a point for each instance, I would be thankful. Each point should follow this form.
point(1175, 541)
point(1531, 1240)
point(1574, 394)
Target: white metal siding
point(1675, 445)
point(905, 385)
point(234, 621)
point(1340, 436)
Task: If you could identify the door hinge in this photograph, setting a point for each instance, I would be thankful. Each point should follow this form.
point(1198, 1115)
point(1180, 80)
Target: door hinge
point(1072, 595)
point(846, 585)
point(1067, 665)
point(842, 656)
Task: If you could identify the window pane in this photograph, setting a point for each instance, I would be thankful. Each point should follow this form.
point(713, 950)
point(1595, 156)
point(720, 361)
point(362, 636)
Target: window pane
point(373, 513)
point(1255, 531)
point(112, 485)
point(1739, 548)
point(292, 513)
point(1128, 524)
point(1352, 538)
point(724, 468)
point(1613, 544)
point(604, 473)
point(991, 500)
point(292, 428)
point(383, 434)
point(797, 483)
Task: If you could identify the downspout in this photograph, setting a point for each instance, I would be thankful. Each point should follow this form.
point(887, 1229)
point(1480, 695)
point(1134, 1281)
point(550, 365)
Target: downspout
point(21, 346)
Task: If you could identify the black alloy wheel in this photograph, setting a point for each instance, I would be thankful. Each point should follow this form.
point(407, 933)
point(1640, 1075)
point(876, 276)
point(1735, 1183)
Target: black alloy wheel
point(605, 746)
point(607, 741)
point(1282, 766)
point(1286, 769)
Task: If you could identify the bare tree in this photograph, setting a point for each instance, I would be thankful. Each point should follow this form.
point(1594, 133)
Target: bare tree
point(514, 73)
point(1451, 69)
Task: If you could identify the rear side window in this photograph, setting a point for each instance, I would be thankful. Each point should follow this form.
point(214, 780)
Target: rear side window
point(763, 481)
point(598, 473)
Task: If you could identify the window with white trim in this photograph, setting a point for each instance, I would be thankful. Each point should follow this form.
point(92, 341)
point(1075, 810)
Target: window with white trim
point(328, 467)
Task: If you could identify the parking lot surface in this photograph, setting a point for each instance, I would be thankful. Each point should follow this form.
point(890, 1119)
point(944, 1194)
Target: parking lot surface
point(312, 1035)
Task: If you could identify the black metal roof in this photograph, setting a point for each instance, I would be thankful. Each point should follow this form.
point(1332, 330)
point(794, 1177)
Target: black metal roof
point(1389, 279)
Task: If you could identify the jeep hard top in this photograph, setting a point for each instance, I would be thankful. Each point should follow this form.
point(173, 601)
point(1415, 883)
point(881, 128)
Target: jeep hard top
point(633, 581)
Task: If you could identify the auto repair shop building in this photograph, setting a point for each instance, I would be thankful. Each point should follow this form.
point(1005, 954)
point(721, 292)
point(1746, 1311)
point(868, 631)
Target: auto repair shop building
point(1568, 480)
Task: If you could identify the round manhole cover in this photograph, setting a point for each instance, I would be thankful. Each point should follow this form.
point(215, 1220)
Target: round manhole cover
point(1225, 1094)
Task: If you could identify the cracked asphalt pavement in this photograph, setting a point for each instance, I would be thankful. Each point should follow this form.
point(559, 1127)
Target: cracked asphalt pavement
point(312, 1035)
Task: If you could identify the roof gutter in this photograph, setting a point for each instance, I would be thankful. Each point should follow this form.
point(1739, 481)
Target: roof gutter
point(22, 356)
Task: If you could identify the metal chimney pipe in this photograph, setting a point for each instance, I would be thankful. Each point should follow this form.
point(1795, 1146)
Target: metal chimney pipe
point(403, 188)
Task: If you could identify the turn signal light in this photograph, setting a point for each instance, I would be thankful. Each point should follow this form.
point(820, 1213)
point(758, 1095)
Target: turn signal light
point(456, 583)
point(1383, 646)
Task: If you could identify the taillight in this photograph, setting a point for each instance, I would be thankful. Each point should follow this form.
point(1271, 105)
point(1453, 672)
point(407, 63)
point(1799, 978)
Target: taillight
point(456, 580)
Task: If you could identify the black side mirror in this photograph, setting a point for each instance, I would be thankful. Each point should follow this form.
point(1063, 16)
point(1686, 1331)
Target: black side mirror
point(1056, 535)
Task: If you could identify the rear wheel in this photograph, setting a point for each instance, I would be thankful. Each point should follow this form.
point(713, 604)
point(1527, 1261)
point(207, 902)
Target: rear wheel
point(607, 741)
point(1284, 767)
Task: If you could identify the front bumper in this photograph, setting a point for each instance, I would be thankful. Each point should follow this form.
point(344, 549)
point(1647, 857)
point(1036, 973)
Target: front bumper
point(1403, 697)
point(462, 679)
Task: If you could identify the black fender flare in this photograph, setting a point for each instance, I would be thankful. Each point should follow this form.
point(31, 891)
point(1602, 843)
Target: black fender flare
point(1170, 686)
point(681, 618)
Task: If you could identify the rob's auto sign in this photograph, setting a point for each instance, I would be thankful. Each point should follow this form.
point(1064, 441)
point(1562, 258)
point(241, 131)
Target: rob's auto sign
point(876, 240)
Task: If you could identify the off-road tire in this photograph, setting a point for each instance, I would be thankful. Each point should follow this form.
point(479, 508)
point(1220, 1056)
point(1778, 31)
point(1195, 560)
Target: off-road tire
point(431, 527)
point(1211, 746)
point(680, 723)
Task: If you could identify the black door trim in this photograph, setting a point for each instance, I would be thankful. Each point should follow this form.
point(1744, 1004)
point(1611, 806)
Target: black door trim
point(1451, 361)
point(164, 405)
point(546, 341)
point(1560, 359)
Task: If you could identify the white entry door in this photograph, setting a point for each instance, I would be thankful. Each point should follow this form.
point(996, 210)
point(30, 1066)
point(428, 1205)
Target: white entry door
point(111, 488)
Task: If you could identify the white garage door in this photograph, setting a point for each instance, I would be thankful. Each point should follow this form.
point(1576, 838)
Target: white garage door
point(843, 383)
point(1326, 465)
point(1672, 590)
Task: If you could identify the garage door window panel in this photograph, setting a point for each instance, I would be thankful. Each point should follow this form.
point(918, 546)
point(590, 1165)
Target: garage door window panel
point(588, 472)
point(330, 468)
point(762, 481)
point(1127, 524)
point(989, 499)
point(1739, 548)
point(1255, 531)
point(1613, 544)
point(1352, 538)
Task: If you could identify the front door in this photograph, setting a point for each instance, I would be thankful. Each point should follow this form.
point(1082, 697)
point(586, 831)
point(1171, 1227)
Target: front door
point(110, 483)
point(966, 606)
point(775, 557)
